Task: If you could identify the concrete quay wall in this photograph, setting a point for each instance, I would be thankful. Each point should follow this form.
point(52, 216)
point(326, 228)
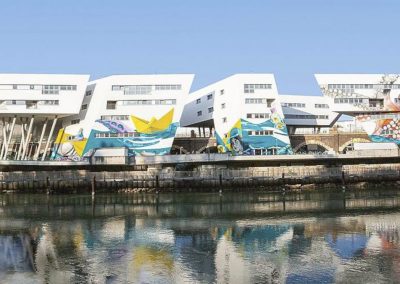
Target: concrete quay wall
point(200, 178)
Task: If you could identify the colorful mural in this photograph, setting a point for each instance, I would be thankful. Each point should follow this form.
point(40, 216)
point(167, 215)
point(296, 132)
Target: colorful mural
point(382, 130)
point(139, 136)
point(245, 138)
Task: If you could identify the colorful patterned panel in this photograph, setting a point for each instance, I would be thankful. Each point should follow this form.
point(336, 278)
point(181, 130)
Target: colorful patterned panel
point(139, 136)
point(382, 130)
point(245, 137)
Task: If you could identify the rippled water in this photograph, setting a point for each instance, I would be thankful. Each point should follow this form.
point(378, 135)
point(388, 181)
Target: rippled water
point(337, 237)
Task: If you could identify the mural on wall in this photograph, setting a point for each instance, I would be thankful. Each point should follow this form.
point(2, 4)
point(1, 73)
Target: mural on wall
point(383, 129)
point(245, 137)
point(139, 136)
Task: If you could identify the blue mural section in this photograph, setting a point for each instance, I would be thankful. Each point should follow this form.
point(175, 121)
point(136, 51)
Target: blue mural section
point(155, 143)
point(246, 138)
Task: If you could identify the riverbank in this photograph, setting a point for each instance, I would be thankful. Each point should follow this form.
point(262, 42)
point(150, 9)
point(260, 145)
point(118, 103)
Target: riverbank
point(204, 178)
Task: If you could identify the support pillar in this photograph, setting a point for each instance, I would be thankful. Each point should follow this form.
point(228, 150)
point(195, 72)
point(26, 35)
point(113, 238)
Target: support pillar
point(28, 138)
point(36, 157)
point(21, 145)
point(9, 138)
point(4, 139)
point(49, 138)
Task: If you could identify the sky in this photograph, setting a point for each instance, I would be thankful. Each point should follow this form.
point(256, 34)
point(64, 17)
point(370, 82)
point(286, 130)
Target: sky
point(210, 38)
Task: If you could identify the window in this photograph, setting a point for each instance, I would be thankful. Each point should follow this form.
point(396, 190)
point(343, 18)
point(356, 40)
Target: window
point(111, 104)
point(224, 120)
point(199, 113)
point(258, 115)
point(149, 102)
point(250, 88)
point(88, 93)
point(116, 88)
point(49, 102)
point(83, 107)
point(15, 87)
point(260, 133)
point(138, 90)
point(321, 106)
point(75, 121)
point(222, 92)
point(210, 109)
point(294, 105)
point(114, 117)
point(198, 101)
point(209, 96)
point(55, 89)
point(116, 135)
point(222, 105)
point(307, 116)
point(352, 87)
point(167, 87)
point(350, 101)
point(31, 87)
point(259, 101)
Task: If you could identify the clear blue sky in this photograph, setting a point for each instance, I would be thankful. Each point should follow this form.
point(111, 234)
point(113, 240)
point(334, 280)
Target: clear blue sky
point(210, 38)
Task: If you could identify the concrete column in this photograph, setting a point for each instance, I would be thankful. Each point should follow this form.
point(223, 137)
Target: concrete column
point(4, 139)
point(9, 138)
point(21, 145)
point(49, 138)
point(36, 156)
point(28, 138)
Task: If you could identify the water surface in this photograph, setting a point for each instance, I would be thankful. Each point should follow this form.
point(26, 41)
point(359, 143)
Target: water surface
point(326, 237)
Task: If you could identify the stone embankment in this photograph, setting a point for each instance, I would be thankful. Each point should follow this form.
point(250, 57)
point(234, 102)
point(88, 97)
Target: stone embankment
point(202, 178)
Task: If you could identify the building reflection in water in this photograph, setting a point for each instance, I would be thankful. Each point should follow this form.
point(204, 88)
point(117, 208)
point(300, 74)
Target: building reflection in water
point(199, 239)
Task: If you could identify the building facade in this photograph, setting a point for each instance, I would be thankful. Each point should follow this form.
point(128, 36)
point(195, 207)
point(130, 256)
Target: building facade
point(66, 117)
point(245, 111)
point(372, 99)
point(32, 108)
point(140, 113)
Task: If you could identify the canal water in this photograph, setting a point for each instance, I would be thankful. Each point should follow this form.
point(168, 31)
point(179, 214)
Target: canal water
point(319, 237)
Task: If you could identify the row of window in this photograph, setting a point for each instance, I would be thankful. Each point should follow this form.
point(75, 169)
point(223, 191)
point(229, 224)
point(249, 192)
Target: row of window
point(250, 88)
point(321, 106)
point(363, 86)
point(23, 102)
point(113, 104)
point(350, 101)
point(210, 110)
point(261, 133)
point(114, 117)
point(144, 89)
point(209, 97)
point(258, 115)
point(44, 88)
point(306, 116)
point(296, 105)
point(385, 116)
point(116, 135)
point(259, 101)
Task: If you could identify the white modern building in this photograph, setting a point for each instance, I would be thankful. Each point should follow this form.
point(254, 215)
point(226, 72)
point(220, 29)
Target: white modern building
point(312, 112)
point(140, 113)
point(31, 108)
point(245, 111)
point(373, 99)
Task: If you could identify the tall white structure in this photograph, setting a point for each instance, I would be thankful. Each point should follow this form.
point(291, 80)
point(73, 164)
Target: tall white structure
point(31, 105)
point(307, 112)
point(373, 99)
point(140, 113)
point(245, 111)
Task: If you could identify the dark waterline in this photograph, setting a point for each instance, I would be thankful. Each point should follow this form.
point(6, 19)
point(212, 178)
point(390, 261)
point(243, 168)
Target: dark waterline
point(312, 237)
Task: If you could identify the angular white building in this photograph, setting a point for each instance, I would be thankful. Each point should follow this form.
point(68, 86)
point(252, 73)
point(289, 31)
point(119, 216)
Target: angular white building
point(373, 99)
point(139, 113)
point(245, 111)
point(32, 106)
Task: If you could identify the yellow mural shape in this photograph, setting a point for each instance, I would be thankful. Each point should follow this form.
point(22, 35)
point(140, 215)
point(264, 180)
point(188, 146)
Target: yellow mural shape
point(79, 145)
point(237, 125)
point(154, 125)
